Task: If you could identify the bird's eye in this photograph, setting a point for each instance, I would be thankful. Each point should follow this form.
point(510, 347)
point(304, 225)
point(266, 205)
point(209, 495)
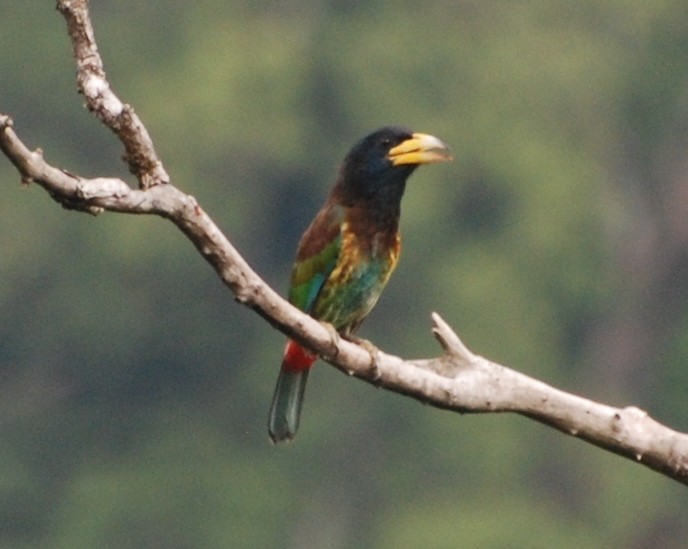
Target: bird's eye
point(386, 142)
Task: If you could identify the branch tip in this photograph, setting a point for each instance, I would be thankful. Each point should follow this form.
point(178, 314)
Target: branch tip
point(6, 121)
point(450, 342)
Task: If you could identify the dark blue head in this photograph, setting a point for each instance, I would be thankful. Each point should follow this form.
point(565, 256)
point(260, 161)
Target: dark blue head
point(377, 166)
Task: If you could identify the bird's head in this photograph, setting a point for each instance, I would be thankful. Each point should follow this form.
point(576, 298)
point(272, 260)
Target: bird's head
point(381, 162)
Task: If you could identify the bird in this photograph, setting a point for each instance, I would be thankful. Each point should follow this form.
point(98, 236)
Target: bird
point(347, 254)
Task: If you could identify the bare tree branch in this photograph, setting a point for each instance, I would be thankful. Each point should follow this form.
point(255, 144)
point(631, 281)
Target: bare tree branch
point(457, 380)
point(101, 100)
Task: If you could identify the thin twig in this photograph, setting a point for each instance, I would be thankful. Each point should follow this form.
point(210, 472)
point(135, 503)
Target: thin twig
point(120, 117)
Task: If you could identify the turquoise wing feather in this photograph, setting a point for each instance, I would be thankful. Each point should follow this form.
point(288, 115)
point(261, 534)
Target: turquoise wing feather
point(316, 258)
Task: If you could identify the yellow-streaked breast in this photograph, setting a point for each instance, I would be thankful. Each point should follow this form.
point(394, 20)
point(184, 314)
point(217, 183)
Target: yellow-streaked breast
point(362, 271)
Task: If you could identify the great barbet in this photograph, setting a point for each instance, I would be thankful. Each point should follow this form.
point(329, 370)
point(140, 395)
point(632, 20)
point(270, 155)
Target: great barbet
point(348, 253)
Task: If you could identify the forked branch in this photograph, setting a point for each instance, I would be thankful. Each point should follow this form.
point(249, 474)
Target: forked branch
point(457, 380)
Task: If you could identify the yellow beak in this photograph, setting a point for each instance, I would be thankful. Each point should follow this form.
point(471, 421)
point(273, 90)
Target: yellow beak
point(420, 148)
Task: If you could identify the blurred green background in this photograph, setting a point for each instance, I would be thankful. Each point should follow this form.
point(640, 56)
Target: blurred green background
point(134, 391)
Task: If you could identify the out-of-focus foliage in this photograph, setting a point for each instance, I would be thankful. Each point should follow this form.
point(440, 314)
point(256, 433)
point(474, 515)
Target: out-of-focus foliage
point(134, 391)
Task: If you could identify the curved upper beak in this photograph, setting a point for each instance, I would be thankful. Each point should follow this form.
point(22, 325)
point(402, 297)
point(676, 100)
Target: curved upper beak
point(420, 148)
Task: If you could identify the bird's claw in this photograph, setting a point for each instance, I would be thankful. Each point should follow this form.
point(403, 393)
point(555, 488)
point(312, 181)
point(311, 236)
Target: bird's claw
point(373, 351)
point(334, 338)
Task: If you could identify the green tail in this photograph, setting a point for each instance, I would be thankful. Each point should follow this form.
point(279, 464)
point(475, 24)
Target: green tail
point(286, 405)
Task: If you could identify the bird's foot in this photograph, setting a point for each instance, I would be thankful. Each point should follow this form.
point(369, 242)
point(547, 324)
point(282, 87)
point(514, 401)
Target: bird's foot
point(334, 338)
point(373, 351)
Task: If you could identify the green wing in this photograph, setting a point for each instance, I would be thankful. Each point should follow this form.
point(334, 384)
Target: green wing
point(316, 258)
